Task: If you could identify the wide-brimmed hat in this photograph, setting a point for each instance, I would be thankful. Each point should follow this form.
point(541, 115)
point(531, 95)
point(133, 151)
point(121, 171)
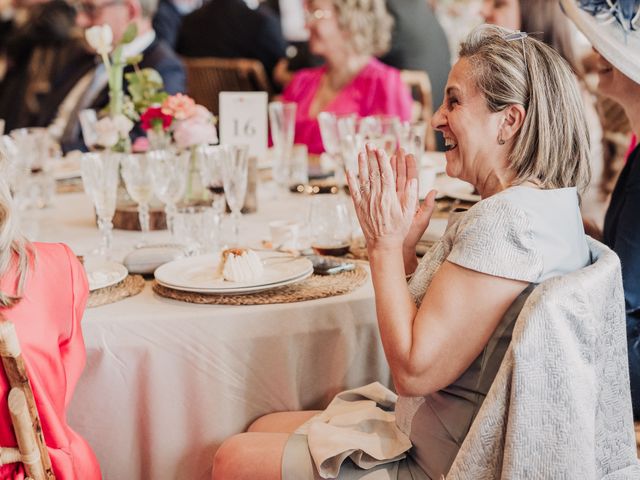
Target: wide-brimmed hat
point(613, 28)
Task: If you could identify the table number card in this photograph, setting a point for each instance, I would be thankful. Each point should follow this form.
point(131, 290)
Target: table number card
point(243, 120)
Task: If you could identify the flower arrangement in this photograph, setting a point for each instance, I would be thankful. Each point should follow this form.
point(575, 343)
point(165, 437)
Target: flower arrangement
point(144, 87)
point(179, 117)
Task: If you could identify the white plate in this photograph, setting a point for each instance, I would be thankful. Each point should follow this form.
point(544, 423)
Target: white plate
point(102, 274)
point(454, 188)
point(198, 274)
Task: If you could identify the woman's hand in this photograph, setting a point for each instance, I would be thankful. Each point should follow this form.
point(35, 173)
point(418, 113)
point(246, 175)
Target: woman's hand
point(404, 169)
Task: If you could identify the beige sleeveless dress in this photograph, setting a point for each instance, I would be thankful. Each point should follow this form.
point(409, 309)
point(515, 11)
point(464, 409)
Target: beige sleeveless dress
point(521, 233)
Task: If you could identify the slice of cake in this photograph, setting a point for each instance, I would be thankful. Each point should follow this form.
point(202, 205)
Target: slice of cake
point(240, 265)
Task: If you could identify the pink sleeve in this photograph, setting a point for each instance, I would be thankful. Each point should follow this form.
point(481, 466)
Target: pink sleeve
point(392, 96)
point(72, 350)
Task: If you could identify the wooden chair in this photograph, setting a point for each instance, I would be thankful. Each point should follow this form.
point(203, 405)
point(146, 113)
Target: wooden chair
point(420, 85)
point(208, 76)
point(32, 450)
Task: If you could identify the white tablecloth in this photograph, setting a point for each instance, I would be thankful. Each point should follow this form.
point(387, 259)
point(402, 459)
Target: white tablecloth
point(166, 382)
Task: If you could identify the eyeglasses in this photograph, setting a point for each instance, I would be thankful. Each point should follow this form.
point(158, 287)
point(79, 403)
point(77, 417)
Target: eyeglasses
point(92, 10)
point(317, 14)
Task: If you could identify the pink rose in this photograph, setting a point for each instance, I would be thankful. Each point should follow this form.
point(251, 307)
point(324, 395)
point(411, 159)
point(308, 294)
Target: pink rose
point(179, 106)
point(192, 132)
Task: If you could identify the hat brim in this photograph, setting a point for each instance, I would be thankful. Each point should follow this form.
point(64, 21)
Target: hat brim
point(620, 48)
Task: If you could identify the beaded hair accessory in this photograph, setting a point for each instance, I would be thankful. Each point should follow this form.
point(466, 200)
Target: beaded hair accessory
point(515, 36)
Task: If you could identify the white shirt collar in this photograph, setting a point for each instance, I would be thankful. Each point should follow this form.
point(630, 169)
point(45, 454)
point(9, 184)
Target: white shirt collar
point(139, 44)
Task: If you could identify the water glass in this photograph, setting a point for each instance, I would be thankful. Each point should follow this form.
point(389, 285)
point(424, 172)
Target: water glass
point(411, 137)
point(136, 172)
point(30, 152)
point(382, 131)
point(234, 176)
point(169, 171)
point(330, 224)
point(100, 180)
point(210, 160)
point(195, 228)
point(282, 119)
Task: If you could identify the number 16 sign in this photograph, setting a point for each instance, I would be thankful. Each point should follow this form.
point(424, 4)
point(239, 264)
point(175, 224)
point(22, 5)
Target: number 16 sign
point(243, 120)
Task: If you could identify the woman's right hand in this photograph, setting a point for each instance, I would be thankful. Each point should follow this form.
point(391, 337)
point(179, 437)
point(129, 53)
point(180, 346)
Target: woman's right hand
point(404, 169)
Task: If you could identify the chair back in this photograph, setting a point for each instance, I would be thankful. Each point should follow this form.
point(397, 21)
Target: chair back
point(560, 405)
point(420, 86)
point(208, 76)
point(32, 450)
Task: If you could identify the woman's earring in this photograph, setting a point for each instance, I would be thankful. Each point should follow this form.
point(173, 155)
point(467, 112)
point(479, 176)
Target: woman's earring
point(500, 139)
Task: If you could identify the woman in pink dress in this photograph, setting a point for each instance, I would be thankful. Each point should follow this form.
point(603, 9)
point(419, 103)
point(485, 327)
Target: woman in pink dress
point(347, 35)
point(43, 291)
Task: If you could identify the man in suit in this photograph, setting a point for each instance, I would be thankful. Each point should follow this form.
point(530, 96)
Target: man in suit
point(418, 42)
point(84, 84)
point(230, 29)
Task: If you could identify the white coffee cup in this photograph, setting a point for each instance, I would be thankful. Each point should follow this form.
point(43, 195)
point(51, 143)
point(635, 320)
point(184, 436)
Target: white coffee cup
point(284, 233)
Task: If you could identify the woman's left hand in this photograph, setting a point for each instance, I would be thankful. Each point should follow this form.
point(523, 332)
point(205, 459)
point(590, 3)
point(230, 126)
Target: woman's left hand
point(385, 215)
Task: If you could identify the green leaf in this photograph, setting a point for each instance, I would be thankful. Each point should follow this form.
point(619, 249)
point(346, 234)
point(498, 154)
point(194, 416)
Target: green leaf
point(135, 60)
point(129, 34)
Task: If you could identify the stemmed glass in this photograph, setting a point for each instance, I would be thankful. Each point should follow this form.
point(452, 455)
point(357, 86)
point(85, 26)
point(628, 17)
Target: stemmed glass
point(169, 172)
point(210, 160)
point(100, 180)
point(234, 177)
point(136, 172)
point(333, 129)
point(282, 119)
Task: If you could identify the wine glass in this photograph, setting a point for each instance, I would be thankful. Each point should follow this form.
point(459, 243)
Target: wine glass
point(282, 119)
point(330, 224)
point(333, 129)
point(234, 177)
point(100, 179)
point(169, 172)
point(136, 172)
point(382, 131)
point(210, 164)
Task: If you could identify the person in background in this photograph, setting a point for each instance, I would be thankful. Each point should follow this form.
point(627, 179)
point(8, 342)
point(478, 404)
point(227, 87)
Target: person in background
point(611, 30)
point(37, 51)
point(43, 292)
point(168, 19)
point(544, 20)
point(230, 29)
point(347, 35)
point(84, 84)
point(446, 332)
point(418, 42)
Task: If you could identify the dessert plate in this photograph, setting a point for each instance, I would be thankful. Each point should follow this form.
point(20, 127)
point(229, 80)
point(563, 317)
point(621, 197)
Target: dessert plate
point(102, 274)
point(199, 274)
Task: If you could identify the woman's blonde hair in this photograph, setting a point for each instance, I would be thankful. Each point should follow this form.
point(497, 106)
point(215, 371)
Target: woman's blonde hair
point(14, 249)
point(552, 146)
point(369, 24)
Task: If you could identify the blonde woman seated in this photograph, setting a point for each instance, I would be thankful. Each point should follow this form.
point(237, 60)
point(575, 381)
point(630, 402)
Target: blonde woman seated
point(43, 291)
point(346, 34)
point(515, 129)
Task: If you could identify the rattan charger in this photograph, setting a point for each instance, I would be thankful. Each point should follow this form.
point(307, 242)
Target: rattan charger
point(312, 288)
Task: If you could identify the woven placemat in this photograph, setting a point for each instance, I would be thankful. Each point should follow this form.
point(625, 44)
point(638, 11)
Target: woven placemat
point(314, 287)
point(130, 286)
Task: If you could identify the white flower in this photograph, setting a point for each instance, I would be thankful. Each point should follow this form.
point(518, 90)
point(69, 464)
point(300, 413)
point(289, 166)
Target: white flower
point(122, 125)
point(100, 37)
point(106, 132)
